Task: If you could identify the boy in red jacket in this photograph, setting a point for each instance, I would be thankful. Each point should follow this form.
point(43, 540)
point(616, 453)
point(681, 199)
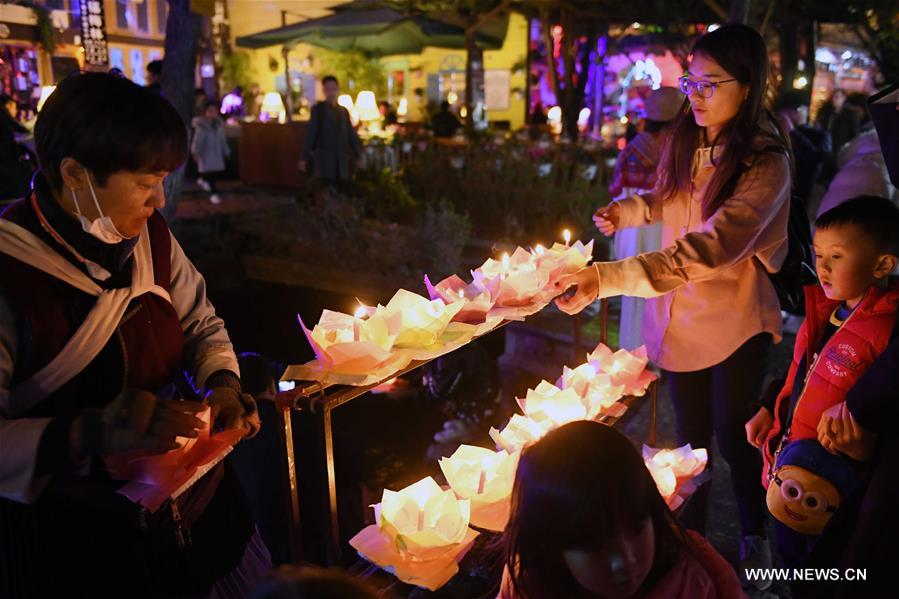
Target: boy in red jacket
point(849, 321)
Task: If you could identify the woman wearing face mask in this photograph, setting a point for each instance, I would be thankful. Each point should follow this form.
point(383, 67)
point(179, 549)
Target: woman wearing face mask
point(588, 521)
point(101, 314)
point(712, 312)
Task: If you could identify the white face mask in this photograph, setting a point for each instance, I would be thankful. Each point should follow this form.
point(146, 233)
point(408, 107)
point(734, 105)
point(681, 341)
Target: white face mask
point(102, 228)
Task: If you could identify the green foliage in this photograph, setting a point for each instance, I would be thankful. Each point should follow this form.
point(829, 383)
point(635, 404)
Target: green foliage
point(386, 196)
point(237, 70)
point(46, 32)
point(511, 189)
point(352, 66)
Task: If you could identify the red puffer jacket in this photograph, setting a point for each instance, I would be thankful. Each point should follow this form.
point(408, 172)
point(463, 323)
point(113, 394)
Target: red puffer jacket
point(842, 361)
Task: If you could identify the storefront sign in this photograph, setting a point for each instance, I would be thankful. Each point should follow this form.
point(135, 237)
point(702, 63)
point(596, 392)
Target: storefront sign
point(93, 32)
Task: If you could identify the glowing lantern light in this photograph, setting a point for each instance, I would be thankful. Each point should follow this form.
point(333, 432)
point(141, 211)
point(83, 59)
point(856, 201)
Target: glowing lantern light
point(346, 100)
point(423, 521)
point(485, 477)
point(367, 106)
point(273, 107)
point(673, 469)
point(45, 93)
point(520, 431)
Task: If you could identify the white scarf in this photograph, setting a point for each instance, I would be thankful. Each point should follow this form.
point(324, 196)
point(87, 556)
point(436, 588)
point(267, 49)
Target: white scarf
point(101, 322)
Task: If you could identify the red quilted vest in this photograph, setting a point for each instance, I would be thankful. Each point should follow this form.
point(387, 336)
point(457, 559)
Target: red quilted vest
point(845, 357)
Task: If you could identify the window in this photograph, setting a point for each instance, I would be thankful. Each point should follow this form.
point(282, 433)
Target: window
point(143, 16)
point(138, 74)
point(162, 14)
point(121, 14)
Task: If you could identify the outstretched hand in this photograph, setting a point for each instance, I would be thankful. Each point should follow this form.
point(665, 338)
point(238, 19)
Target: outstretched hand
point(577, 291)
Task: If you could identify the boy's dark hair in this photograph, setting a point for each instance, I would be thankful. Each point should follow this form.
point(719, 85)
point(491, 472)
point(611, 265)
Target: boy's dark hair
point(327, 78)
point(108, 124)
point(257, 372)
point(878, 217)
point(154, 67)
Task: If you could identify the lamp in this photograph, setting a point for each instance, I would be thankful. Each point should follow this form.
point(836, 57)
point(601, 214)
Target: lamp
point(273, 107)
point(367, 106)
point(346, 100)
point(45, 93)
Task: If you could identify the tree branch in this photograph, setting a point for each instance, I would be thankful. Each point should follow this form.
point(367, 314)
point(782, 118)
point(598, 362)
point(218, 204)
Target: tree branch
point(716, 8)
point(489, 16)
point(767, 17)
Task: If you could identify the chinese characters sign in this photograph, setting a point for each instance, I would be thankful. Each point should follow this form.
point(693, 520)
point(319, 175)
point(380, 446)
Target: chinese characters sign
point(93, 32)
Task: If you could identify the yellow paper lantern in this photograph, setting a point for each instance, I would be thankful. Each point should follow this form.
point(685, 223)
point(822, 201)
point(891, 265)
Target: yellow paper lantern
point(485, 478)
point(423, 521)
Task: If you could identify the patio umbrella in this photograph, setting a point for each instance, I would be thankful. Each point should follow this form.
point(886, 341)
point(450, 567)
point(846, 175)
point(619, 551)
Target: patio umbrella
point(373, 31)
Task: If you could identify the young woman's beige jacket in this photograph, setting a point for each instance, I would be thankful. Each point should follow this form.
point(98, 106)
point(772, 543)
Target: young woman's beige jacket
point(709, 290)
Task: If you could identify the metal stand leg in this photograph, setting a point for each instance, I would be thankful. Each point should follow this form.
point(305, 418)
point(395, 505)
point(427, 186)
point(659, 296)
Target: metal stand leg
point(295, 536)
point(334, 544)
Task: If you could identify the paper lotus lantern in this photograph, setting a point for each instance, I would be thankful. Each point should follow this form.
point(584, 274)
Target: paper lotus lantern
point(478, 300)
point(670, 468)
point(560, 260)
point(349, 344)
point(414, 321)
point(547, 402)
point(624, 367)
point(485, 477)
point(520, 431)
point(423, 521)
point(595, 390)
point(519, 278)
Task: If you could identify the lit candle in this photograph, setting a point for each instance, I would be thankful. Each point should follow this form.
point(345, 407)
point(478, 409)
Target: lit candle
point(506, 265)
point(357, 319)
point(566, 235)
point(540, 249)
point(482, 482)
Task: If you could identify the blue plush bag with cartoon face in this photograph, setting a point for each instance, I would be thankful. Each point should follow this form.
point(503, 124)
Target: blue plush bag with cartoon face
point(807, 485)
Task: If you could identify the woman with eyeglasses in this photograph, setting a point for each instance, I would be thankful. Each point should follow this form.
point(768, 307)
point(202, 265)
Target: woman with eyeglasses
point(712, 313)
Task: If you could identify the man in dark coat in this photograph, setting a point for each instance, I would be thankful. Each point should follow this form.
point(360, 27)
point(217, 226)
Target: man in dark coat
point(330, 139)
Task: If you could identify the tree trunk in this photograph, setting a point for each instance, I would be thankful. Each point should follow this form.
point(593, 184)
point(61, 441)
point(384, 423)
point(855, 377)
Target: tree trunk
point(182, 34)
point(476, 117)
point(599, 84)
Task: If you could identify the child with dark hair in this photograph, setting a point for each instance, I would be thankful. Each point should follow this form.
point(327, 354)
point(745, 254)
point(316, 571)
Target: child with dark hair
point(849, 321)
point(210, 149)
point(587, 520)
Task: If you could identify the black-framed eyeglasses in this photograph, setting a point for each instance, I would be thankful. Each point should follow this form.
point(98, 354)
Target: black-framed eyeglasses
point(704, 88)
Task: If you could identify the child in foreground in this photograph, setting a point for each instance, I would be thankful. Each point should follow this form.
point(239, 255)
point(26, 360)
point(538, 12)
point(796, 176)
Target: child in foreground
point(588, 520)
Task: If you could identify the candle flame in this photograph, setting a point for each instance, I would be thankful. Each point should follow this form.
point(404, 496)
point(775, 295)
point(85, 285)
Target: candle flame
point(566, 235)
point(539, 249)
point(360, 312)
point(506, 261)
